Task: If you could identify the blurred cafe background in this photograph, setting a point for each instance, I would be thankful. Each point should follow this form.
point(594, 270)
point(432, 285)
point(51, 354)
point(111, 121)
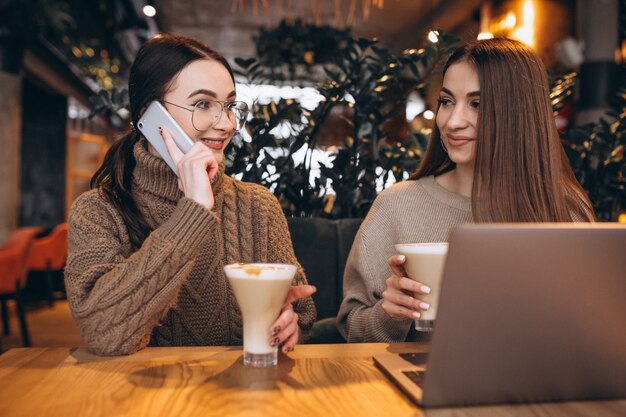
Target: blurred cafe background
point(342, 95)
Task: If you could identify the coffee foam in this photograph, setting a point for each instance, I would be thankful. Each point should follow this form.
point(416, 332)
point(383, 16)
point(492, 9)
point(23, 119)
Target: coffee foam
point(260, 271)
point(423, 248)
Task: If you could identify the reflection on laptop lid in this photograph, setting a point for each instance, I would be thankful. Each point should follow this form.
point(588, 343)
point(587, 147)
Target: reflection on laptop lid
point(527, 313)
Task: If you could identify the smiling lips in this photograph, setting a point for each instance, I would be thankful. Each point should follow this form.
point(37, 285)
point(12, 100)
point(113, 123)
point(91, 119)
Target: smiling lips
point(215, 144)
point(458, 140)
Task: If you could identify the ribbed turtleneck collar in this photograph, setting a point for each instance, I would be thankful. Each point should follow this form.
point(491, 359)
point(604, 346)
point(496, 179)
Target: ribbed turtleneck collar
point(152, 174)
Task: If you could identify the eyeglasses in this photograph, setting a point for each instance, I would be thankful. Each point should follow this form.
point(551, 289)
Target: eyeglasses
point(207, 113)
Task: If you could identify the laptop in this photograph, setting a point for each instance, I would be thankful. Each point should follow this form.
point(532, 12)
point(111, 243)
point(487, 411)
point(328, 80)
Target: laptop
point(527, 313)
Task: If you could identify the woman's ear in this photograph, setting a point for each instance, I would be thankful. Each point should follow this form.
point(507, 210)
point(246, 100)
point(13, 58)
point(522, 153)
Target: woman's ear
point(143, 109)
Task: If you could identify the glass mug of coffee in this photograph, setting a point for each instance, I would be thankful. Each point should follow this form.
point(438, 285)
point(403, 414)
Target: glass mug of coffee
point(424, 263)
point(260, 290)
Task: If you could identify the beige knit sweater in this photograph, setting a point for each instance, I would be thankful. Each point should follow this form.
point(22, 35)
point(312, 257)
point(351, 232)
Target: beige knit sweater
point(172, 291)
point(408, 212)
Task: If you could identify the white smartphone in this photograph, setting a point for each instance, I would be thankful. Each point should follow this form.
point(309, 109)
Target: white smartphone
point(157, 116)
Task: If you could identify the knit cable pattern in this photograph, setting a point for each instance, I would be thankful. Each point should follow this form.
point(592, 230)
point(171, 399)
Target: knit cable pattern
point(172, 290)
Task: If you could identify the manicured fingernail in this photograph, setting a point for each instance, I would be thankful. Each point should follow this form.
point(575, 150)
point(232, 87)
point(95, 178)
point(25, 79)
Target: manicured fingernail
point(274, 342)
point(286, 349)
point(416, 315)
point(275, 330)
point(424, 306)
point(402, 258)
point(424, 289)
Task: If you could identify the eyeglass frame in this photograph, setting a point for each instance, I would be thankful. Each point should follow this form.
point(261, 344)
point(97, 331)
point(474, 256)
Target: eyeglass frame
point(221, 102)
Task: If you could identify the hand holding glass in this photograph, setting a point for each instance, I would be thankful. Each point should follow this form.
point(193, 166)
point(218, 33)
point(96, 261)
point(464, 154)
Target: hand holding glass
point(260, 290)
point(424, 263)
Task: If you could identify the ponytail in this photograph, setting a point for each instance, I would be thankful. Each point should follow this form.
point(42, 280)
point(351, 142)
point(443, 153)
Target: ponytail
point(114, 179)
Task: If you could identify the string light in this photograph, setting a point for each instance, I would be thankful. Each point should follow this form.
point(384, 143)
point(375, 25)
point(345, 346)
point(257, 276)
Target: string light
point(149, 11)
point(345, 11)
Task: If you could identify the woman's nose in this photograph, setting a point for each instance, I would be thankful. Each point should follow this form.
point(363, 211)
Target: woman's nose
point(223, 122)
point(458, 119)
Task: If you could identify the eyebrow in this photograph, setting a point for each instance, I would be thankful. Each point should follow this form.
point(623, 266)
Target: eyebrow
point(470, 94)
point(210, 93)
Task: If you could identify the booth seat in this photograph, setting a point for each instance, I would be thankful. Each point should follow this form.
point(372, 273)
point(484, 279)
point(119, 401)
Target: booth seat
point(322, 247)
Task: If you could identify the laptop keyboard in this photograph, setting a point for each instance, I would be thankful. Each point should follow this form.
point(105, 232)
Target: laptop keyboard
point(417, 377)
point(415, 358)
point(418, 359)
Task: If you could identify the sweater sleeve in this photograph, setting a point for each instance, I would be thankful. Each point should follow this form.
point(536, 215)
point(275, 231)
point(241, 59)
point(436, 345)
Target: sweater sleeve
point(281, 251)
point(117, 299)
point(361, 317)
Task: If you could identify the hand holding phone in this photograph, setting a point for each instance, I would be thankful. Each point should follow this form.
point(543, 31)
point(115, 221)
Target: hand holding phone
point(155, 117)
point(196, 169)
point(197, 162)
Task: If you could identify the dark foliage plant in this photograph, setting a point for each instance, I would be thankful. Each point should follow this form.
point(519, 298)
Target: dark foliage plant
point(286, 51)
point(78, 32)
point(596, 152)
point(368, 80)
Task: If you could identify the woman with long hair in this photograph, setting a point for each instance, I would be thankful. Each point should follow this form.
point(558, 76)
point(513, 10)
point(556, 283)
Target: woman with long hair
point(494, 156)
point(147, 248)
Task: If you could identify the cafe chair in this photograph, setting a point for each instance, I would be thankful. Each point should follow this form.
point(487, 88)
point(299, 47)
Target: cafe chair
point(14, 255)
point(48, 255)
point(322, 247)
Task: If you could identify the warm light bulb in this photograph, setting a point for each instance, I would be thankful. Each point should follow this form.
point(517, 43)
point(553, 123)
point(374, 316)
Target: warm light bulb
point(433, 36)
point(428, 115)
point(484, 35)
point(525, 32)
point(622, 218)
point(149, 10)
point(510, 20)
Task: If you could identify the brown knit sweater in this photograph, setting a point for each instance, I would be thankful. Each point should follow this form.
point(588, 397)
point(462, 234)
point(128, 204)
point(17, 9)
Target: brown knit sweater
point(172, 291)
point(408, 212)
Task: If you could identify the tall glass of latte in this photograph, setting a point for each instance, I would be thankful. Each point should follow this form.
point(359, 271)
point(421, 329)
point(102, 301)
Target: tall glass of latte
point(424, 263)
point(260, 290)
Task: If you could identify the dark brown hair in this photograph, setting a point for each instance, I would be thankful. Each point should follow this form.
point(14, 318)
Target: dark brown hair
point(521, 172)
point(156, 65)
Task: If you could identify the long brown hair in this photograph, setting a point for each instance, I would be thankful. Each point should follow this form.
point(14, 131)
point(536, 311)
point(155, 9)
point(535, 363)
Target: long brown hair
point(521, 171)
point(156, 65)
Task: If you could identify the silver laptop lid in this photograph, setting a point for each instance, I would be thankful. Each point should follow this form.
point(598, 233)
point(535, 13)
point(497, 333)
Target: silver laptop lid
point(533, 312)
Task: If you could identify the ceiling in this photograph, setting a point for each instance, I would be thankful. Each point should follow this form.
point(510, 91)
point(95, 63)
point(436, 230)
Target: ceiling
point(400, 24)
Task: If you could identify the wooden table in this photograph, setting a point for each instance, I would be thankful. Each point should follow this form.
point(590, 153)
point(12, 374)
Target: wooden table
point(314, 380)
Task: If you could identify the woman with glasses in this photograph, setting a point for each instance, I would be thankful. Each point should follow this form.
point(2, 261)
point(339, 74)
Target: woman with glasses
point(494, 156)
point(147, 248)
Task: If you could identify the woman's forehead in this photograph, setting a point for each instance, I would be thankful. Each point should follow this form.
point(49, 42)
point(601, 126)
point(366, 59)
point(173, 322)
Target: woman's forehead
point(202, 74)
point(461, 75)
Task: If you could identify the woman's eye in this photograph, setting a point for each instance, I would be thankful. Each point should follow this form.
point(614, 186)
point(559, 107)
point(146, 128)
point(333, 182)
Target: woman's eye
point(475, 104)
point(202, 104)
point(444, 101)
